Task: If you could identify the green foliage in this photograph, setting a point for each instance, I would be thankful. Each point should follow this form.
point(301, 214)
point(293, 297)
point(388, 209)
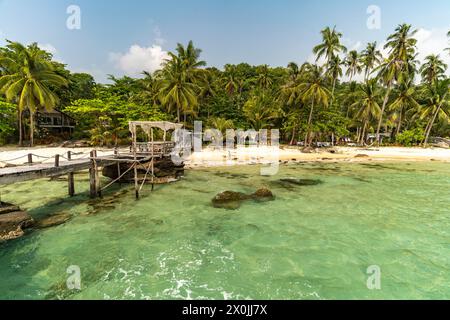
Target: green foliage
point(7, 121)
point(411, 137)
point(105, 121)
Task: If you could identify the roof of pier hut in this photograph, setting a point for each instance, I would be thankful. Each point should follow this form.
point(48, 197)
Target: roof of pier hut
point(148, 125)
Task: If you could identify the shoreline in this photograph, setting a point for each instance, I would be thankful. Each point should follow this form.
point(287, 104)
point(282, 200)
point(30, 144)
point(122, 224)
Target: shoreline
point(248, 156)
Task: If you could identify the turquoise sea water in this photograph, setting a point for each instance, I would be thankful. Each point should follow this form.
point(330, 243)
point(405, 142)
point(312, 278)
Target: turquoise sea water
point(311, 242)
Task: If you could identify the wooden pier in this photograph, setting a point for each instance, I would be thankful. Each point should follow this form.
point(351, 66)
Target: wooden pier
point(139, 154)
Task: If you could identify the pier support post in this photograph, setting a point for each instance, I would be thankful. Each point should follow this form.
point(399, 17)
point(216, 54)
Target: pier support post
point(30, 159)
point(93, 176)
point(70, 179)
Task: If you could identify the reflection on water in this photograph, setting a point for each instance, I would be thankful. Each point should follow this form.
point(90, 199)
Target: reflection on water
point(328, 223)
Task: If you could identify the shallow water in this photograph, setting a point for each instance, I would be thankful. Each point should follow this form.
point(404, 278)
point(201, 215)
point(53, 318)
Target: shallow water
point(312, 242)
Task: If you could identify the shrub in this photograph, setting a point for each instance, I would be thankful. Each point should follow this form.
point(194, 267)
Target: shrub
point(412, 137)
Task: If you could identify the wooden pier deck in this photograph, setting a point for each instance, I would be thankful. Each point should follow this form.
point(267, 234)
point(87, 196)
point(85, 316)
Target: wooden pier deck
point(11, 175)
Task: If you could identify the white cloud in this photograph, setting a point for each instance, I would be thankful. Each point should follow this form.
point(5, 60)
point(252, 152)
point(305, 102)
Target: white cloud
point(139, 59)
point(433, 41)
point(51, 49)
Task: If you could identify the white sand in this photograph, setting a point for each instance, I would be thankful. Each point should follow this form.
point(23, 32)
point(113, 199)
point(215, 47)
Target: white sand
point(253, 155)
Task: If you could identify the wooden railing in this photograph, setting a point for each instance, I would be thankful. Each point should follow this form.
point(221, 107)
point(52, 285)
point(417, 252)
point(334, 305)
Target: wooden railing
point(157, 149)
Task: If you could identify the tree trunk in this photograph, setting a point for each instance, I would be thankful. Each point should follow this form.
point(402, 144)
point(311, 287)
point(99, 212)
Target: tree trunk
point(399, 125)
point(432, 122)
point(178, 114)
point(20, 128)
point(293, 136)
point(386, 98)
point(363, 136)
point(426, 130)
point(31, 128)
point(309, 123)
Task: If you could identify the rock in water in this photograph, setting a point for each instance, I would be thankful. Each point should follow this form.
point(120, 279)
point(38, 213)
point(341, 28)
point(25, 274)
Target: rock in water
point(229, 200)
point(301, 182)
point(263, 194)
point(361, 156)
point(13, 221)
point(232, 200)
point(54, 220)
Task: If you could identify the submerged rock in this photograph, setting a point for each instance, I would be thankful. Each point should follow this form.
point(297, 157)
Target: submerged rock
point(13, 221)
point(232, 200)
point(54, 220)
point(361, 156)
point(301, 182)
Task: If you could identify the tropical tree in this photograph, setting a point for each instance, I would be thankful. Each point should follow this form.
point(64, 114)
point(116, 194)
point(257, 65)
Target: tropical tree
point(404, 100)
point(367, 105)
point(352, 62)
point(370, 59)
point(28, 80)
point(401, 45)
point(437, 104)
point(314, 91)
point(433, 69)
point(331, 45)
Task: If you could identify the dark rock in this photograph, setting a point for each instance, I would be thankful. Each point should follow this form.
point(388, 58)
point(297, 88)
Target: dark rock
point(263, 194)
point(232, 200)
point(12, 222)
point(54, 220)
point(361, 156)
point(301, 182)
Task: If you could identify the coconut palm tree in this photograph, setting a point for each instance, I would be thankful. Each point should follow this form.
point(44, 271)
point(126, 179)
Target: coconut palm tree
point(334, 71)
point(264, 80)
point(367, 105)
point(437, 103)
point(370, 59)
point(402, 46)
point(314, 91)
point(331, 45)
point(29, 80)
point(293, 71)
point(404, 100)
point(352, 62)
point(433, 69)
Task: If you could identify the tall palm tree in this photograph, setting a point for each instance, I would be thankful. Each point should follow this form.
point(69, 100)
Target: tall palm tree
point(433, 69)
point(402, 46)
point(437, 103)
point(370, 59)
point(181, 78)
point(352, 62)
point(334, 71)
point(314, 91)
point(293, 71)
point(264, 80)
point(367, 105)
point(404, 100)
point(330, 46)
point(29, 80)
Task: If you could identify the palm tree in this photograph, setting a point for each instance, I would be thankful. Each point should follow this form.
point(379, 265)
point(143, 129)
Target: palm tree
point(433, 69)
point(181, 79)
point(437, 103)
point(330, 46)
point(293, 71)
point(29, 81)
point(334, 71)
point(264, 80)
point(366, 105)
point(177, 90)
point(404, 99)
point(314, 91)
point(220, 124)
point(352, 63)
point(401, 45)
point(370, 59)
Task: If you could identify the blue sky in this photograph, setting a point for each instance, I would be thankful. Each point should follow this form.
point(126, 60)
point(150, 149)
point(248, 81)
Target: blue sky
point(120, 37)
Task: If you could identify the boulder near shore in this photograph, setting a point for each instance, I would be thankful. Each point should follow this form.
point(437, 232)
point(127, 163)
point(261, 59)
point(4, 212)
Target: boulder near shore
point(13, 221)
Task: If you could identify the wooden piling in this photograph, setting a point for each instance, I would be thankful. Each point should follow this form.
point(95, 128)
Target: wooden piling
point(57, 160)
point(30, 159)
point(71, 180)
point(97, 176)
point(92, 177)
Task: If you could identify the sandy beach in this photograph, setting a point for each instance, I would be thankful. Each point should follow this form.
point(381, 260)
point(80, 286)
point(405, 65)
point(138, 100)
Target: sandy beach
point(241, 156)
